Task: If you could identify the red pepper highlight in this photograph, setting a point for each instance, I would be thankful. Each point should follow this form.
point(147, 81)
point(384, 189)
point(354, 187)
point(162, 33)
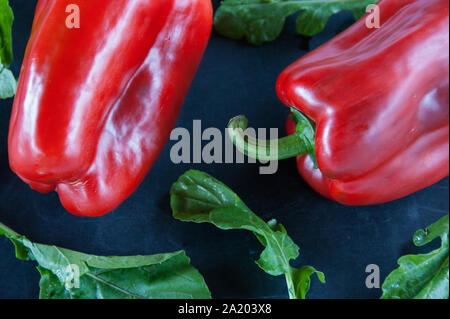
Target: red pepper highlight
point(95, 105)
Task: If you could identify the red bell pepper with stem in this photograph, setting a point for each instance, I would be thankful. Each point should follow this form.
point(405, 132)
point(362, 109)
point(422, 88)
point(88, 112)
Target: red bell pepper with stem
point(95, 105)
point(376, 103)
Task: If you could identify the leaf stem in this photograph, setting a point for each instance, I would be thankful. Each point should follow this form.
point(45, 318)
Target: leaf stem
point(7, 230)
point(106, 283)
point(290, 285)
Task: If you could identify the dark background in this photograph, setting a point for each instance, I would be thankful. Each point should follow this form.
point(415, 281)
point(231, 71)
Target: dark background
point(234, 78)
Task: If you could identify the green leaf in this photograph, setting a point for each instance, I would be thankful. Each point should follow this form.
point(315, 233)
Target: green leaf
point(198, 197)
point(51, 287)
point(262, 21)
point(422, 276)
point(6, 20)
point(8, 84)
point(7, 81)
point(302, 279)
point(162, 276)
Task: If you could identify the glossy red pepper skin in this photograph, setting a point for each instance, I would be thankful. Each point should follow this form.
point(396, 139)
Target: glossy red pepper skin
point(380, 101)
point(95, 105)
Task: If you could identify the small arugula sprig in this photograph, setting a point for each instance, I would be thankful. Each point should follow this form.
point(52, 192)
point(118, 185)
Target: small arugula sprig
point(262, 21)
point(8, 83)
point(422, 276)
point(67, 274)
point(198, 197)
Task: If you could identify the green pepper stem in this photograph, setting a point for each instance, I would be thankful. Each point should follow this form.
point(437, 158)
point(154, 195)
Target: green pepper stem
point(290, 146)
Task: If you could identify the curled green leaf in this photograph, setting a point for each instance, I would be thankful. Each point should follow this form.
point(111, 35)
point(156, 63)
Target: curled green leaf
point(424, 276)
point(302, 280)
point(198, 197)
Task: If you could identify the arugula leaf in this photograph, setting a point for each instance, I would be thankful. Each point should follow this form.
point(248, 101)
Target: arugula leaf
point(6, 20)
point(162, 276)
point(198, 197)
point(262, 21)
point(7, 80)
point(8, 83)
point(422, 276)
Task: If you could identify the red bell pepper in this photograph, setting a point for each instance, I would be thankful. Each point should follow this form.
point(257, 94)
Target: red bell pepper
point(96, 104)
point(376, 103)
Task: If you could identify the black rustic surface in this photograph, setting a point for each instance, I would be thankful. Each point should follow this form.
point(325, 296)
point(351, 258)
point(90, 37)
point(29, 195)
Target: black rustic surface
point(234, 78)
